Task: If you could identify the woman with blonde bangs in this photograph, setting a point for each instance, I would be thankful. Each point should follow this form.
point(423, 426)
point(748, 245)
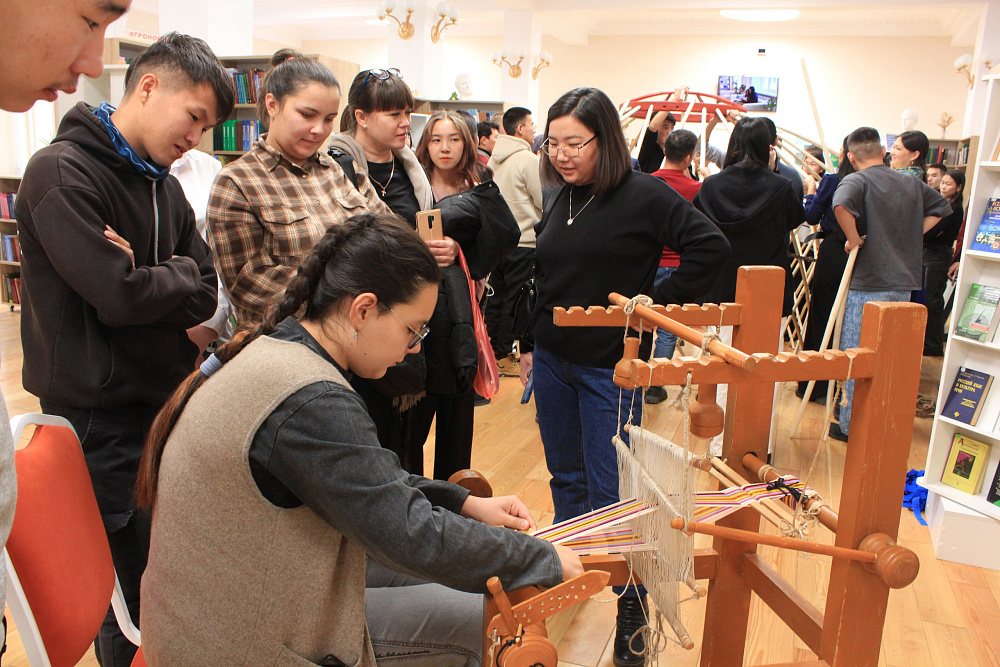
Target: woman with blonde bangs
point(475, 216)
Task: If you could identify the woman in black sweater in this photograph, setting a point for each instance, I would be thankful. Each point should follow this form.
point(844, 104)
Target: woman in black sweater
point(938, 242)
point(755, 208)
point(603, 230)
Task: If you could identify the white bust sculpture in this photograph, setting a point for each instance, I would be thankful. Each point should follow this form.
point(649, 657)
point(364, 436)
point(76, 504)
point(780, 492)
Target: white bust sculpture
point(463, 84)
point(909, 119)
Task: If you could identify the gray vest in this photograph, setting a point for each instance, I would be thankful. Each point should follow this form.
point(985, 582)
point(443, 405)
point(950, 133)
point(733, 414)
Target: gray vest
point(232, 579)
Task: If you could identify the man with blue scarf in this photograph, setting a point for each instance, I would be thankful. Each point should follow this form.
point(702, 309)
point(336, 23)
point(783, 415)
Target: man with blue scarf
point(114, 273)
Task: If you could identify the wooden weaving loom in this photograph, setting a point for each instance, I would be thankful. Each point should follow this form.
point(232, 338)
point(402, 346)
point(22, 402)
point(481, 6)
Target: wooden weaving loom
point(866, 560)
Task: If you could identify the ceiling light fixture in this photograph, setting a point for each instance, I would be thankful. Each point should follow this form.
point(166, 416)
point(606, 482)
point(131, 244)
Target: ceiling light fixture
point(760, 15)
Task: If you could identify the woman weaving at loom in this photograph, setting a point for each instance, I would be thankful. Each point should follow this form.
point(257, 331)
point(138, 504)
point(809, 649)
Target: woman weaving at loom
point(266, 501)
point(603, 230)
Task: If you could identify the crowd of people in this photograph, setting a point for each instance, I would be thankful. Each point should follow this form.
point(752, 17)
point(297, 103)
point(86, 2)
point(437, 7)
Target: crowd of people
point(253, 355)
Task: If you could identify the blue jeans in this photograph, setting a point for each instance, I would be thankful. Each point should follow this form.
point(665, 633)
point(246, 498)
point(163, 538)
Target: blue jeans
point(850, 336)
point(577, 417)
point(665, 341)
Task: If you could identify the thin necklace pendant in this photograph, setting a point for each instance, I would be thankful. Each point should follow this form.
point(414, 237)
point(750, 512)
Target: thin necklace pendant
point(572, 217)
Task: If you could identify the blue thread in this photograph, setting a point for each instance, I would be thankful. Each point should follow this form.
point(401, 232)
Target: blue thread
point(915, 496)
point(210, 365)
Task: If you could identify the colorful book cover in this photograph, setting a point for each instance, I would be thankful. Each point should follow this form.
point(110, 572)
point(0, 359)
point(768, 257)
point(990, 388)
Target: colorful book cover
point(979, 313)
point(967, 396)
point(966, 464)
point(988, 235)
point(994, 494)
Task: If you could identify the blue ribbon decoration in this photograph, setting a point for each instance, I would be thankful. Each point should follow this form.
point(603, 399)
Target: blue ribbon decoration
point(915, 496)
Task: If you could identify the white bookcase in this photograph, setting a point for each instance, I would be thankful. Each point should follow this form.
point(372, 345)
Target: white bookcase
point(976, 267)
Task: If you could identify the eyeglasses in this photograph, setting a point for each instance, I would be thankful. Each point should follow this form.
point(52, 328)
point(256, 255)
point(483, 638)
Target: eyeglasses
point(569, 151)
point(418, 336)
point(379, 75)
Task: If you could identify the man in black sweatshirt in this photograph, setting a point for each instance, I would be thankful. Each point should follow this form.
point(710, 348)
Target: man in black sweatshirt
point(114, 273)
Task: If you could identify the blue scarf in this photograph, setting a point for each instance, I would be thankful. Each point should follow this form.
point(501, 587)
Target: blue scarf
point(144, 167)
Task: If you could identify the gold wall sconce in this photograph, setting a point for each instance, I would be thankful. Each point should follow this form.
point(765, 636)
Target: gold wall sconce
point(504, 57)
point(385, 10)
point(544, 60)
point(445, 14)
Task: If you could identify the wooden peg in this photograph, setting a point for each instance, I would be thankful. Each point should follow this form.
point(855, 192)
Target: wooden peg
point(623, 369)
point(895, 565)
point(503, 604)
point(707, 416)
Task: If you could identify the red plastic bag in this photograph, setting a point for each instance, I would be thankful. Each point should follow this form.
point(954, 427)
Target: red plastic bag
point(487, 382)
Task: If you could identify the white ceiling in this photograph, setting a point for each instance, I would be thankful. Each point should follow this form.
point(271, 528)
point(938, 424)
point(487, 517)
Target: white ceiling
point(574, 21)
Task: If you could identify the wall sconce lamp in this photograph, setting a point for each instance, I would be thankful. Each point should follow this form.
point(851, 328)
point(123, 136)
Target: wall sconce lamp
point(544, 60)
point(963, 64)
point(405, 27)
point(446, 14)
point(500, 58)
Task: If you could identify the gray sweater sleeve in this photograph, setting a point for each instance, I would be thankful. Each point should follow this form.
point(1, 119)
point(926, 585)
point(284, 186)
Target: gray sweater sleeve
point(324, 449)
point(8, 489)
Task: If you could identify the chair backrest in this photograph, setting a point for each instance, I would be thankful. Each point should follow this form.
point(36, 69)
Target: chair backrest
point(57, 545)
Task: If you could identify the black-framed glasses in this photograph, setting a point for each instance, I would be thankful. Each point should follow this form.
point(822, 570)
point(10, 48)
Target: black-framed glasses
point(379, 75)
point(418, 336)
point(572, 150)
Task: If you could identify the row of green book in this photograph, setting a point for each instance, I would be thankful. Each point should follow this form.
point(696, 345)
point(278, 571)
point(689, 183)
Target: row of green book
point(966, 467)
point(11, 288)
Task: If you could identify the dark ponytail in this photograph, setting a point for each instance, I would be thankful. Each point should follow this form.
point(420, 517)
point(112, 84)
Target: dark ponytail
point(290, 72)
point(369, 252)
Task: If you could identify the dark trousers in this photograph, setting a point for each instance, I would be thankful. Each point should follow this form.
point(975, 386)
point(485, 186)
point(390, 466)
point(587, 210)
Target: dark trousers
point(937, 259)
point(506, 282)
point(112, 442)
point(830, 264)
point(452, 433)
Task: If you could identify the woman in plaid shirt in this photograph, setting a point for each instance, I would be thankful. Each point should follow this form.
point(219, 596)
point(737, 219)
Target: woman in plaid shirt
point(269, 207)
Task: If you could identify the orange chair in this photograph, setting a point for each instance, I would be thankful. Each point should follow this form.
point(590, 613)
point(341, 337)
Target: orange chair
point(60, 576)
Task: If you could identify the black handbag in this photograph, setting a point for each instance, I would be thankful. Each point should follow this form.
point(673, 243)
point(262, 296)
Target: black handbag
point(524, 307)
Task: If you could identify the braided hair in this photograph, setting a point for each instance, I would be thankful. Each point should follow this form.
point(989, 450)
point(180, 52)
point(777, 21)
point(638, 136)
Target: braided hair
point(370, 252)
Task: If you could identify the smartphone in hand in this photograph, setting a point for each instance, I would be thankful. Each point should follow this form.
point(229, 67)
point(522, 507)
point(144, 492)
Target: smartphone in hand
point(528, 386)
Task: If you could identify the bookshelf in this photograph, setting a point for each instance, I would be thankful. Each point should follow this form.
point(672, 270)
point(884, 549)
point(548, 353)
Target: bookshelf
point(9, 269)
point(247, 111)
point(122, 50)
point(977, 267)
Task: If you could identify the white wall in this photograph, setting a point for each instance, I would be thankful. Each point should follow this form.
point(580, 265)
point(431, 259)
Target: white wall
point(860, 81)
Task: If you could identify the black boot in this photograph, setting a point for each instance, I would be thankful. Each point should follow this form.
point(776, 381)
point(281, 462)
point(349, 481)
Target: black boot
point(630, 619)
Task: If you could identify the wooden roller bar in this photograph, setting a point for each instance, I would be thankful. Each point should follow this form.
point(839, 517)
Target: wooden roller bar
point(693, 315)
point(829, 365)
point(716, 346)
point(765, 473)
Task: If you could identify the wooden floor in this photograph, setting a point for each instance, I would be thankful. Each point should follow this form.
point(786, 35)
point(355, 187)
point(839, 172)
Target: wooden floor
point(949, 617)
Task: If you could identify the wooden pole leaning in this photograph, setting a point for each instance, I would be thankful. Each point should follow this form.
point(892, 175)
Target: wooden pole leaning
point(838, 307)
point(716, 347)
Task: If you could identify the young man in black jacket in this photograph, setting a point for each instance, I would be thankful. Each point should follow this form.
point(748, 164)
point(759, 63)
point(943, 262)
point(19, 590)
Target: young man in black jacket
point(114, 274)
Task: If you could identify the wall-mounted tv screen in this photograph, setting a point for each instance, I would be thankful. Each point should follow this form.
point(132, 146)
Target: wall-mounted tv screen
point(756, 93)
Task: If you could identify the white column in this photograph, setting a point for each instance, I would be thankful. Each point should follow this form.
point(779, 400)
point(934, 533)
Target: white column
point(522, 33)
point(987, 44)
point(227, 25)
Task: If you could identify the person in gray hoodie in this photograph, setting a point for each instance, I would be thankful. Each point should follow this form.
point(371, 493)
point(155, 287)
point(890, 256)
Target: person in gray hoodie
point(516, 173)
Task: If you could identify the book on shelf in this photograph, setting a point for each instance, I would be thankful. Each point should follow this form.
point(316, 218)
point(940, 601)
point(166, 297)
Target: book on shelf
point(988, 234)
point(7, 205)
point(993, 495)
point(967, 396)
point(10, 249)
point(10, 288)
point(966, 464)
point(979, 315)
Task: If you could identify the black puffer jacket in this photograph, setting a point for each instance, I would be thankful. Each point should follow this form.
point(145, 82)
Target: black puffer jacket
point(483, 226)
